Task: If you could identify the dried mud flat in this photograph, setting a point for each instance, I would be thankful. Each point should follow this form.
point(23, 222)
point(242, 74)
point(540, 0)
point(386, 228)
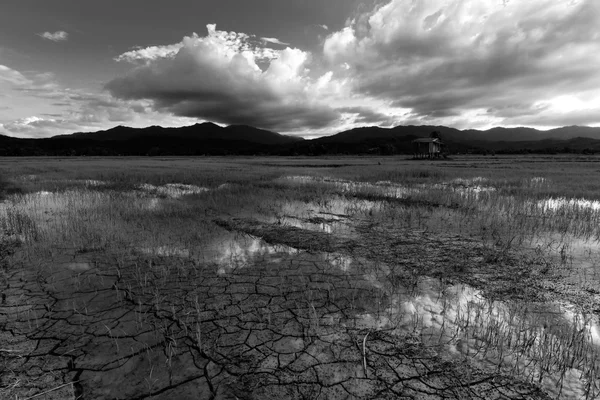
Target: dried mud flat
point(298, 321)
point(277, 286)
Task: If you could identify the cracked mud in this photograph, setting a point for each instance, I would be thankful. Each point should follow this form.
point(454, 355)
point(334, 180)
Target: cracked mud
point(280, 326)
point(313, 305)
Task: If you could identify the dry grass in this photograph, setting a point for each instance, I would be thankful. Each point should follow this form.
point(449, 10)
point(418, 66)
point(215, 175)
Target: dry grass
point(166, 259)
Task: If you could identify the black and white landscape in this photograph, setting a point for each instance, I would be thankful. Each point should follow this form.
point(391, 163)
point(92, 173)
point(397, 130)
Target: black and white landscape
point(300, 199)
point(211, 139)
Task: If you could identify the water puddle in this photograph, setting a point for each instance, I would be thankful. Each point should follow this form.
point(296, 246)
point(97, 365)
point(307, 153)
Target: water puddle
point(578, 257)
point(94, 183)
point(464, 187)
point(79, 266)
point(551, 343)
point(562, 204)
point(166, 251)
point(173, 190)
point(324, 223)
point(340, 261)
point(42, 206)
point(336, 215)
point(239, 251)
point(548, 342)
point(383, 188)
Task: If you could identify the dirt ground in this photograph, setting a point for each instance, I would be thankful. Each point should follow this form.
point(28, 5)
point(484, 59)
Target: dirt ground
point(285, 327)
point(283, 307)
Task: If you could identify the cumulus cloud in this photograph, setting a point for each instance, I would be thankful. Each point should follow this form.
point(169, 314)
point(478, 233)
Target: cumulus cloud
point(498, 61)
point(58, 36)
point(230, 78)
point(274, 41)
point(150, 53)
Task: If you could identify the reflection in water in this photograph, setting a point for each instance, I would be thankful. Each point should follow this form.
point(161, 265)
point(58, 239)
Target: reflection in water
point(343, 262)
point(578, 257)
point(231, 253)
point(564, 204)
point(544, 342)
point(173, 190)
point(316, 223)
point(239, 251)
point(549, 343)
point(79, 266)
point(383, 188)
point(464, 187)
point(166, 251)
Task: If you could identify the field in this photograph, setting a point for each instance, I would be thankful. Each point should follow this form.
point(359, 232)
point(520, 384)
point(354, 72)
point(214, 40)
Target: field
point(300, 278)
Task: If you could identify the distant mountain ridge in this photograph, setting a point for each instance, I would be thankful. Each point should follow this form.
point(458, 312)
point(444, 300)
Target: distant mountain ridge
point(211, 139)
point(491, 135)
point(203, 131)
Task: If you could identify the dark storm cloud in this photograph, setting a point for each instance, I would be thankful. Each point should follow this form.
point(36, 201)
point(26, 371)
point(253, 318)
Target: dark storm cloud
point(218, 78)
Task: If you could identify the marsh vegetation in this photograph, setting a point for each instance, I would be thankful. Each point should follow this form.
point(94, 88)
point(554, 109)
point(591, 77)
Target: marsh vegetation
point(260, 278)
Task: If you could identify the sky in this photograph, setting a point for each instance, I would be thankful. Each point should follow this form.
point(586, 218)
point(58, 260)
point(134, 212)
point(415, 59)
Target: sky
point(301, 67)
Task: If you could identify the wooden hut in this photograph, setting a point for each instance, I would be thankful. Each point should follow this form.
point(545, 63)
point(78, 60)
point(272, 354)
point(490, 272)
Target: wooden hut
point(430, 147)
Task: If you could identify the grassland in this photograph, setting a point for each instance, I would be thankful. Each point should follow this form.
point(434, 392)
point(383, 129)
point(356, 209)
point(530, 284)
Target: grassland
point(261, 278)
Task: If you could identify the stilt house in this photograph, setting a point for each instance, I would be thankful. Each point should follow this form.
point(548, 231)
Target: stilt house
point(431, 147)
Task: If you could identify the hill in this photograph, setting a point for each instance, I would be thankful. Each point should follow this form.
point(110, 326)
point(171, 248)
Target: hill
point(491, 135)
point(211, 139)
point(206, 131)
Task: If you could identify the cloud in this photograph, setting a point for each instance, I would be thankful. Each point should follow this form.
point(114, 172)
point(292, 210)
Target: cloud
point(230, 78)
point(368, 116)
point(149, 53)
point(35, 84)
point(37, 127)
point(274, 41)
point(90, 112)
point(443, 61)
point(58, 36)
point(229, 43)
point(34, 105)
point(12, 77)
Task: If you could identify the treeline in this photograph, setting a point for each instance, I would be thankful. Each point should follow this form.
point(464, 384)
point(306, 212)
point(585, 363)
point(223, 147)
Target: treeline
point(65, 147)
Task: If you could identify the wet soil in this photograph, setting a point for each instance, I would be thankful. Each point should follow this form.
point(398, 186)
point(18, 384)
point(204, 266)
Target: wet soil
point(283, 326)
point(501, 274)
point(308, 317)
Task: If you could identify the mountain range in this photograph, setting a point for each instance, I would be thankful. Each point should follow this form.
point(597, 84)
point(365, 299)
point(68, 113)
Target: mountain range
point(206, 131)
point(209, 138)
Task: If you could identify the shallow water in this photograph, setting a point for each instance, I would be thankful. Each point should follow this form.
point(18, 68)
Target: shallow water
point(564, 204)
point(173, 190)
point(525, 338)
point(469, 189)
point(166, 251)
point(578, 258)
point(548, 342)
point(551, 342)
point(382, 188)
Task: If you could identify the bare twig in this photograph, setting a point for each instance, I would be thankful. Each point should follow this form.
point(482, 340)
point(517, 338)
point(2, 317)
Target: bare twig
point(364, 351)
point(51, 390)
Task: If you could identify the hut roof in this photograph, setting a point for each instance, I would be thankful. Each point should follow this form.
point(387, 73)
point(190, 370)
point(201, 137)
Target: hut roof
point(427, 140)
